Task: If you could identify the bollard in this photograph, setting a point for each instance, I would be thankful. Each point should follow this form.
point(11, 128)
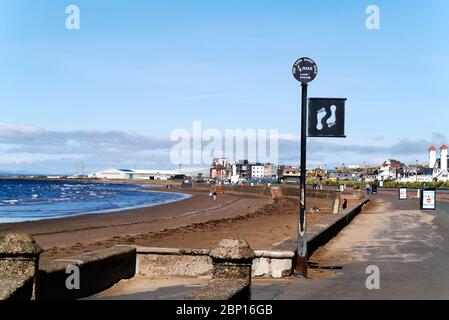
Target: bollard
point(231, 274)
point(232, 260)
point(19, 265)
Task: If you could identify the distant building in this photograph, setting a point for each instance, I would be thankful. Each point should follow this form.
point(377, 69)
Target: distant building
point(128, 174)
point(270, 171)
point(221, 169)
point(391, 170)
point(257, 171)
point(439, 166)
point(241, 169)
point(287, 173)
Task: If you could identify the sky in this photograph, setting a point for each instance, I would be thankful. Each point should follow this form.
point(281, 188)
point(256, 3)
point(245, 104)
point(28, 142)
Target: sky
point(111, 93)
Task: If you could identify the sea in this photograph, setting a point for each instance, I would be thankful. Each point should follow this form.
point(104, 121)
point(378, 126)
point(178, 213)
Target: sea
point(28, 200)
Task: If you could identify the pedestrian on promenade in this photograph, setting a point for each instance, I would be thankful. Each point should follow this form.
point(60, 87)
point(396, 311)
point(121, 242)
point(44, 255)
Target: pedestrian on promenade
point(210, 195)
point(345, 204)
point(368, 188)
point(215, 195)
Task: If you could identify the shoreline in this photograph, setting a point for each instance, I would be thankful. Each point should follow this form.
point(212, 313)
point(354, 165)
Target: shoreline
point(184, 196)
point(141, 186)
point(85, 230)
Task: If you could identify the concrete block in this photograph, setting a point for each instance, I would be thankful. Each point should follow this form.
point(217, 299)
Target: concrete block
point(261, 267)
point(173, 265)
point(280, 268)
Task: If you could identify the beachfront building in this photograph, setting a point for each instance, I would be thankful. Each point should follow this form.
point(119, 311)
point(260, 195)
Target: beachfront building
point(438, 166)
point(288, 173)
point(241, 169)
point(270, 171)
point(391, 170)
point(221, 169)
point(128, 174)
point(257, 171)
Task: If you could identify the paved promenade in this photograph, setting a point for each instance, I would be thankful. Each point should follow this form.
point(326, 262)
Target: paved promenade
point(410, 248)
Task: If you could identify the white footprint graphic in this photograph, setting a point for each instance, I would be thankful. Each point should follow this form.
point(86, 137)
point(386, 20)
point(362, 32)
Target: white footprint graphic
point(331, 121)
point(320, 115)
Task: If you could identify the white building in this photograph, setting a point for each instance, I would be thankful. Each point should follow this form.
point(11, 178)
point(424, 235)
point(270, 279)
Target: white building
point(439, 165)
point(390, 170)
point(257, 171)
point(128, 174)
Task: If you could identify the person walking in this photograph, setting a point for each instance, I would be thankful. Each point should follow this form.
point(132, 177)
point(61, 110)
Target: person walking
point(210, 195)
point(215, 195)
point(368, 188)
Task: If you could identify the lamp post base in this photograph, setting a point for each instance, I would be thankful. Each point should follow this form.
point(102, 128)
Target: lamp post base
point(300, 270)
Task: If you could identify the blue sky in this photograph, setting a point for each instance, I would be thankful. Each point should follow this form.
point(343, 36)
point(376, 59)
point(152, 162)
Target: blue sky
point(111, 93)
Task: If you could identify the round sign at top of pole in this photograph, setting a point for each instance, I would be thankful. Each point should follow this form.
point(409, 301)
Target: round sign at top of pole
point(305, 70)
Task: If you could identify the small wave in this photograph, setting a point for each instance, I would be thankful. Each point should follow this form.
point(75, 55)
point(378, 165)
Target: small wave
point(12, 201)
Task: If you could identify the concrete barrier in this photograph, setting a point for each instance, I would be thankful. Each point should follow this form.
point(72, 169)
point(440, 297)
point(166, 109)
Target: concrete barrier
point(98, 271)
point(231, 274)
point(19, 262)
point(341, 220)
point(274, 264)
point(173, 262)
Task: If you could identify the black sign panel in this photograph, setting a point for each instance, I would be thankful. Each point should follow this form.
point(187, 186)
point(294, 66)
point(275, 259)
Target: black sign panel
point(305, 70)
point(326, 117)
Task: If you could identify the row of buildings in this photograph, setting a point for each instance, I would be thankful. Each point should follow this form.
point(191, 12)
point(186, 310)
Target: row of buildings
point(223, 169)
point(435, 170)
point(226, 170)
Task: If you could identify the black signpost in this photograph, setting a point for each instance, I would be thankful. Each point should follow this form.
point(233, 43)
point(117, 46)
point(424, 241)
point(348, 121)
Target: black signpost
point(330, 124)
point(304, 70)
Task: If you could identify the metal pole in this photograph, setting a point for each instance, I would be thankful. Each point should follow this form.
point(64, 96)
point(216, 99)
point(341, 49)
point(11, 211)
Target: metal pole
point(301, 254)
point(416, 170)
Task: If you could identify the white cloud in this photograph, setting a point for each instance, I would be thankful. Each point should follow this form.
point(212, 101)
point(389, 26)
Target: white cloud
point(29, 148)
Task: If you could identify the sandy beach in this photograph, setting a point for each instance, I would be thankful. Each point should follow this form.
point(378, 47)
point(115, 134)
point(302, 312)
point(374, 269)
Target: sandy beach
point(59, 235)
point(196, 222)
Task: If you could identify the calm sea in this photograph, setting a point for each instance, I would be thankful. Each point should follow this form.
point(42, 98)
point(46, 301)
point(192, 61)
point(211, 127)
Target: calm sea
point(37, 200)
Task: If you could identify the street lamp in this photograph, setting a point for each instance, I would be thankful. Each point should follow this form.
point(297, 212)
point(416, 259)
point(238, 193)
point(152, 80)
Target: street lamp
point(416, 170)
